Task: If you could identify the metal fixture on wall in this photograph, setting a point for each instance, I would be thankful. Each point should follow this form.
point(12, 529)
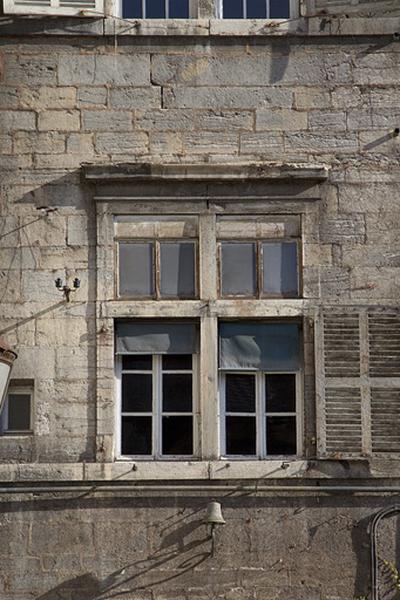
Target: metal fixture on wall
point(214, 518)
point(65, 289)
point(7, 357)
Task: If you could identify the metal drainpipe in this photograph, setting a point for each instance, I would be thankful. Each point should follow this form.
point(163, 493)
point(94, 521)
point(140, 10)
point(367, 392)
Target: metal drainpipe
point(374, 559)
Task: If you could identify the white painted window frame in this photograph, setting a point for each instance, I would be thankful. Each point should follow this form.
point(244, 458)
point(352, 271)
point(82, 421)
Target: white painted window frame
point(157, 412)
point(260, 415)
point(294, 9)
point(54, 8)
point(22, 391)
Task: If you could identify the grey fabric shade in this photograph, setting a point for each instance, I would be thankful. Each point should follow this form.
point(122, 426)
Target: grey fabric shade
point(259, 346)
point(156, 337)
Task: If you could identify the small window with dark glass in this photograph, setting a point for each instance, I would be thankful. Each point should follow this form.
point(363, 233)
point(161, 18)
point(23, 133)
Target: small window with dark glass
point(156, 9)
point(260, 382)
point(157, 269)
point(158, 388)
point(16, 416)
point(256, 9)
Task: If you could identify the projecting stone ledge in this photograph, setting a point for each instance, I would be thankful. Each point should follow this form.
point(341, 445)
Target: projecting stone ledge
point(204, 172)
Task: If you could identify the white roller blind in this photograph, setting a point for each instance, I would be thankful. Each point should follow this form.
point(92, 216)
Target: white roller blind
point(156, 337)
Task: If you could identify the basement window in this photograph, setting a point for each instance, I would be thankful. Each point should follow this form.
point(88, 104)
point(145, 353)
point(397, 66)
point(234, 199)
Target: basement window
point(157, 365)
point(260, 389)
point(16, 417)
point(256, 9)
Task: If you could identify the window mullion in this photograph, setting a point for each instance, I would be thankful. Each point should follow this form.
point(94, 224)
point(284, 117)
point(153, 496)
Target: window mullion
point(260, 417)
point(268, 11)
point(157, 418)
point(166, 9)
point(144, 11)
point(157, 270)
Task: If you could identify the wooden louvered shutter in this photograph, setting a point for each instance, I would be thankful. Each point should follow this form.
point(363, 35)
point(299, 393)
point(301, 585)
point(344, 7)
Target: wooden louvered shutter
point(73, 8)
point(358, 382)
point(347, 7)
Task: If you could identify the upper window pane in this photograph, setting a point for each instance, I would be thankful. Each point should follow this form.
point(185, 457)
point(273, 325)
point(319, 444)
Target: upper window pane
point(233, 9)
point(279, 9)
point(280, 276)
point(238, 269)
point(177, 270)
point(256, 9)
point(19, 412)
point(240, 393)
point(136, 269)
point(280, 393)
point(155, 9)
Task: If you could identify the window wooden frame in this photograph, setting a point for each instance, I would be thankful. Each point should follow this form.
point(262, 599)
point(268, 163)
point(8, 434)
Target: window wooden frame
point(157, 412)
point(4, 426)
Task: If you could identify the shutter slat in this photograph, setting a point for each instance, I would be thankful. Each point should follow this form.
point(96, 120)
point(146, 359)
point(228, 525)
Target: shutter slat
point(347, 7)
point(71, 8)
point(384, 344)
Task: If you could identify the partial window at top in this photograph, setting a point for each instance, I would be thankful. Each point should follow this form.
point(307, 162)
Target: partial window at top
point(256, 9)
point(156, 9)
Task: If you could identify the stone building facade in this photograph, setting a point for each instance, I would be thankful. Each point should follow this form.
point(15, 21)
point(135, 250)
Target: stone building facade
point(123, 143)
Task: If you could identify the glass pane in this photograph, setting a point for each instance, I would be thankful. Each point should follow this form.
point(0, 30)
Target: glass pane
point(280, 269)
point(281, 435)
point(279, 9)
point(238, 269)
point(280, 393)
point(136, 269)
point(136, 435)
point(177, 393)
point(177, 362)
point(132, 9)
point(177, 270)
point(233, 9)
point(241, 435)
point(240, 393)
point(137, 362)
point(19, 412)
point(256, 9)
point(179, 9)
point(177, 436)
point(137, 393)
point(155, 9)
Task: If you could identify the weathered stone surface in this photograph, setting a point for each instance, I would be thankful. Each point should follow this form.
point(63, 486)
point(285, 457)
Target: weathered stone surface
point(282, 120)
point(48, 97)
point(92, 96)
point(59, 120)
point(227, 97)
point(135, 97)
point(43, 143)
point(17, 120)
point(121, 143)
point(106, 120)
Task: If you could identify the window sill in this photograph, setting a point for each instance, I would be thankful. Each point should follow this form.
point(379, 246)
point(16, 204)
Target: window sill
point(97, 25)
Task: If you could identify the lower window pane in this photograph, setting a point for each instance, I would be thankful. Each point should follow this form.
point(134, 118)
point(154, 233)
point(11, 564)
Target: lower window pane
point(136, 435)
point(256, 9)
point(179, 9)
point(238, 270)
point(132, 9)
point(280, 393)
point(177, 436)
point(137, 393)
point(233, 9)
point(280, 269)
point(281, 435)
point(240, 391)
point(279, 9)
point(177, 392)
point(241, 436)
point(155, 9)
point(19, 412)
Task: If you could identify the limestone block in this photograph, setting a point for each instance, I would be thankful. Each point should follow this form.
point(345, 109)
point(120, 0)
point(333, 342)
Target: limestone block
point(166, 142)
point(375, 283)
point(224, 120)
point(57, 329)
point(106, 120)
point(9, 97)
point(30, 70)
point(5, 144)
point(135, 97)
point(374, 197)
point(384, 98)
point(44, 143)
point(348, 97)
point(49, 231)
point(48, 97)
point(92, 96)
point(317, 254)
point(343, 229)
point(312, 97)
point(113, 69)
point(17, 120)
point(121, 143)
point(59, 120)
point(282, 120)
point(320, 142)
point(334, 281)
point(74, 362)
point(261, 143)
point(321, 120)
point(34, 363)
point(77, 231)
point(80, 143)
point(227, 97)
point(73, 70)
point(209, 143)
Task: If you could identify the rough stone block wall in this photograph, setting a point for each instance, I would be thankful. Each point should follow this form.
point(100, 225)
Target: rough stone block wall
point(70, 100)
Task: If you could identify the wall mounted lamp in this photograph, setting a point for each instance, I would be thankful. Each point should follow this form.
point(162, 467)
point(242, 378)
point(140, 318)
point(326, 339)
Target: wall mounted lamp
point(65, 289)
point(214, 518)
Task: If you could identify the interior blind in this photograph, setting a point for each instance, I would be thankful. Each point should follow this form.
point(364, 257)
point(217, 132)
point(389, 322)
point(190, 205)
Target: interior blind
point(156, 337)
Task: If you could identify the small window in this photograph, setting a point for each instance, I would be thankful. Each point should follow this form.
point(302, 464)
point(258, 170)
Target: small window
point(16, 417)
point(156, 9)
point(157, 389)
point(260, 383)
point(159, 270)
point(259, 269)
point(256, 9)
